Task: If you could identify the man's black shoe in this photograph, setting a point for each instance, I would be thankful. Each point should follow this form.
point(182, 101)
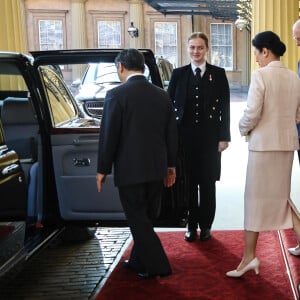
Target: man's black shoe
point(129, 266)
point(145, 275)
point(205, 235)
point(126, 264)
point(190, 235)
point(148, 275)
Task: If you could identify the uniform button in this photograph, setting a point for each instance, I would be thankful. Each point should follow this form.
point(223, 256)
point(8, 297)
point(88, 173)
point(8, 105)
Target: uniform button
point(177, 118)
point(197, 113)
point(197, 97)
point(175, 109)
point(197, 88)
point(210, 116)
point(196, 121)
point(217, 100)
point(197, 104)
point(213, 108)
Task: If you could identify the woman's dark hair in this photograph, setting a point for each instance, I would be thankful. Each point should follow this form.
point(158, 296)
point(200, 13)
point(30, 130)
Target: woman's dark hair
point(132, 59)
point(269, 40)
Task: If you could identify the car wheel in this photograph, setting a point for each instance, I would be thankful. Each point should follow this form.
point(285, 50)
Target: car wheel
point(74, 233)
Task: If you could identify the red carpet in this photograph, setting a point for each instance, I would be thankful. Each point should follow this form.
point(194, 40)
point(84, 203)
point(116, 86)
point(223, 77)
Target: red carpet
point(199, 272)
point(289, 240)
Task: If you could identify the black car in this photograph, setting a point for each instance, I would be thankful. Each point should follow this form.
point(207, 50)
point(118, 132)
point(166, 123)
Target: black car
point(48, 155)
point(98, 78)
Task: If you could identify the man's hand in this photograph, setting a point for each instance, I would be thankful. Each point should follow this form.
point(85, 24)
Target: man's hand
point(100, 179)
point(170, 178)
point(223, 146)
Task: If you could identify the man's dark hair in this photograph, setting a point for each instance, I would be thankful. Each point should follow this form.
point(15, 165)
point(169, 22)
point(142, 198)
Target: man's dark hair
point(132, 59)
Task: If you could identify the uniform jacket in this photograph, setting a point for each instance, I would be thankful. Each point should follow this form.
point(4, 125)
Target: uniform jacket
point(138, 133)
point(216, 96)
point(273, 109)
point(201, 143)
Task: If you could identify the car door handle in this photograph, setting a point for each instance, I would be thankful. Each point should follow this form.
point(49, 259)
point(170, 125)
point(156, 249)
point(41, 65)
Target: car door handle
point(10, 169)
point(85, 141)
point(81, 162)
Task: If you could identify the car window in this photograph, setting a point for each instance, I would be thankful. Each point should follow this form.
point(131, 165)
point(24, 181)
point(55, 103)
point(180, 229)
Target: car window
point(60, 104)
point(101, 73)
point(106, 73)
point(12, 83)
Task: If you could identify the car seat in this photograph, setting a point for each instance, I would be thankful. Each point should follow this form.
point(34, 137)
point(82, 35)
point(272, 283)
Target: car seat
point(21, 132)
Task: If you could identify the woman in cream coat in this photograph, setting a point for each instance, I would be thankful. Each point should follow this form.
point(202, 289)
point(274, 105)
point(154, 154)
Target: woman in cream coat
point(269, 123)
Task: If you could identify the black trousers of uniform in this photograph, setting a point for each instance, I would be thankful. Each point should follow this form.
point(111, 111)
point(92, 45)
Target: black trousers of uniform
point(202, 204)
point(141, 204)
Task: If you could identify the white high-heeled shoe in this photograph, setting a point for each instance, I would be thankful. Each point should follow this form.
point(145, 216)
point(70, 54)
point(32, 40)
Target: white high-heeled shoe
point(295, 251)
point(253, 265)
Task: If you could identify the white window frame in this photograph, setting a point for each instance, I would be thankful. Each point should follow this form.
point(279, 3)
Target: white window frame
point(221, 46)
point(34, 18)
point(108, 16)
point(111, 36)
point(163, 40)
point(52, 38)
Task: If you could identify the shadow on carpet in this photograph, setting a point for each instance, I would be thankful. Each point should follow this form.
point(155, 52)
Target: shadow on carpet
point(199, 271)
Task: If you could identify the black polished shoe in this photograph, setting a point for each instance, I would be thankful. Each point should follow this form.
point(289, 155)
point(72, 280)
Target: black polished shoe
point(126, 264)
point(205, 235)
point(145, 275)
point(148, 275)
point(190, 235)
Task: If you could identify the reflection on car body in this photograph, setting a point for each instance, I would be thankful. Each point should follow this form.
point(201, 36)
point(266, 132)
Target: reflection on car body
point(97, 80)
point(48, 153)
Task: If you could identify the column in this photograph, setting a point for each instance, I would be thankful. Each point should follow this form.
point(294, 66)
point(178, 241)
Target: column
point(79, 37)
point(278, 16)
point(136, 15)
point(13, 36)
point(246, 62)
point(196, 23)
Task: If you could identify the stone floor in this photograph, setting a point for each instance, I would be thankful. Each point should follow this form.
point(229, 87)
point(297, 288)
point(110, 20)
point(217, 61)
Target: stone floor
point(68, 271)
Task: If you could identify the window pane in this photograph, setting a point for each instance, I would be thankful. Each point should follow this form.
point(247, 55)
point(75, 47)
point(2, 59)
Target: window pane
point(221, 45)
point(109, 34)
point(51, 34)
point(166, 41)
point(59, 100)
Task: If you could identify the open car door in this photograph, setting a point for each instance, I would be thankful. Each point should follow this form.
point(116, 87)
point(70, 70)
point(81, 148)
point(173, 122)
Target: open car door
point(74, 140)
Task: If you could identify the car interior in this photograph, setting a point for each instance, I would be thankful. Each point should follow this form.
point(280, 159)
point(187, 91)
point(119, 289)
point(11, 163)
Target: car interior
point(21, 133)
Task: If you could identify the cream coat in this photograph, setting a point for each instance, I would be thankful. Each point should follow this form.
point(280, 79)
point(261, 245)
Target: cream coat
point(273, 109)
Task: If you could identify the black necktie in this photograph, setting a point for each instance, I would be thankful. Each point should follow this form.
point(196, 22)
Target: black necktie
point(198, 74)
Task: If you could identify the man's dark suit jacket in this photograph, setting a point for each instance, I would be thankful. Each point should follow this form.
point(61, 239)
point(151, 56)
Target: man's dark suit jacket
point(138, 133)
point(215, 126)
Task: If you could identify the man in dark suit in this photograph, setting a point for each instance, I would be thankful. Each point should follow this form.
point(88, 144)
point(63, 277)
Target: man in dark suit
point(200, 93)
point(296, 36)
point(138, 136)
